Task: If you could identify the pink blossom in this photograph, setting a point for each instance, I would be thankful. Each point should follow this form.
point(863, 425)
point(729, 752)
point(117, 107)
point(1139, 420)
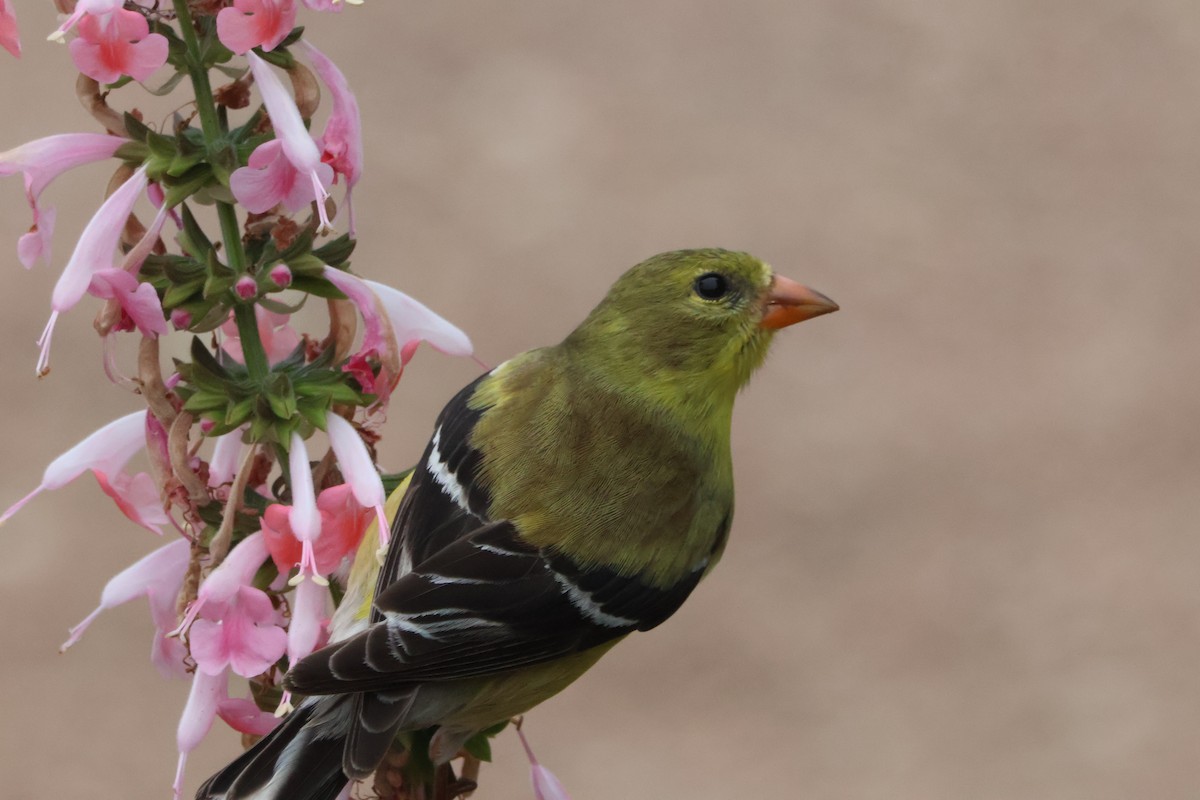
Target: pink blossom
point(93, 252)
point(10, 40)
point(117, 43)
point(288, 169)
point(304, 516)
point(82, 7)
point(281, 275)
point(34, 245)
point(204, 699)
point(255, 23)
point(244, 716)
point(41, 161)
point(105, 451)
point(358, 468)
point(246, 287)
point(222, 584)
point(226, 455)
point(137, 497)
point(342, 140)
point(343, 522)
point(545, 785)
point(157, 577)
point(139, 302)
point(238, 633)
point(413, 323)
point(309, 618)
point(278, 337)
point(379, 341)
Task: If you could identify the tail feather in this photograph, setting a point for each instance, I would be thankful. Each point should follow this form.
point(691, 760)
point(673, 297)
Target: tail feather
point(300, 760)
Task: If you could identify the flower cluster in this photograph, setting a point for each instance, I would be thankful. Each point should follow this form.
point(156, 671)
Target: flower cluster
point(260, 535)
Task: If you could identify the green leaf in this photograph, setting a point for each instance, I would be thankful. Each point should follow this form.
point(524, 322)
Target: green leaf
point(193, 239)
point(337, 252)
point(280, 396)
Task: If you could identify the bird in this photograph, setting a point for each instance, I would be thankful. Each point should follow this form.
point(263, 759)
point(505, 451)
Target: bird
point(567, 498)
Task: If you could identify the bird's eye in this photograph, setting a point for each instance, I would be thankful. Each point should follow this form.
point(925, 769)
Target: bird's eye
point(712, 286)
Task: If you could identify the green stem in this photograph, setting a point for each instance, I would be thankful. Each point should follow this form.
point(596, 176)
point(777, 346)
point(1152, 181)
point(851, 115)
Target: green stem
point(210, 122)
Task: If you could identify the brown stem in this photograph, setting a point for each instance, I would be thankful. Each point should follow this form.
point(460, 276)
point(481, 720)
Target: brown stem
point(343, 325)
point(94, 102)
point(218, 548)
point(152, 386)
point(177, 446)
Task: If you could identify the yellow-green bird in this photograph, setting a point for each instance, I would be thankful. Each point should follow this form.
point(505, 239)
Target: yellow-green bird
point(567, 498)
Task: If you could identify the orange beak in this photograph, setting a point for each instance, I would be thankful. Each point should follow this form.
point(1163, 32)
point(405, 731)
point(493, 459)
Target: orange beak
point(789, 302)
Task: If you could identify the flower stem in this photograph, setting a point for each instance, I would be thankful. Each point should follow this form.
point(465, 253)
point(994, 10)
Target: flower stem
point(214, 132)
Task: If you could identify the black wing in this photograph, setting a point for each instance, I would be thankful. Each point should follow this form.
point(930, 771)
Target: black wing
point(462, 595)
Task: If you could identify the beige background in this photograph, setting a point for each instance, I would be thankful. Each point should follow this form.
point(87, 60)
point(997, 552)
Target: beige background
point(965, 558)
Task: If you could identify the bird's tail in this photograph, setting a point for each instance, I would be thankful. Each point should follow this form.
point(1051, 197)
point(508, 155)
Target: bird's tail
point(299, 760)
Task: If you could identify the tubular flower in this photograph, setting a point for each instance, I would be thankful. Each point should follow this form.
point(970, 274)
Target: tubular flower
point(104, 452)
point(157, 577)
point(255, 23)
point(545, 785)
point(278, 337)
point(117, 43)
point(341, 142)
point(413, 323)
point(93, 252)
point(204, 699)
point(41, 161)
point(304, 516)
point(379, 341)
point(82, 8)
point(289, 167)
point(343, 522)
point(359, 469)
point(222, 584)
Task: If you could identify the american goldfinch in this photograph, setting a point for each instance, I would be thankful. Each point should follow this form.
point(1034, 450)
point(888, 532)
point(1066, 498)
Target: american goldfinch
point(567, 498)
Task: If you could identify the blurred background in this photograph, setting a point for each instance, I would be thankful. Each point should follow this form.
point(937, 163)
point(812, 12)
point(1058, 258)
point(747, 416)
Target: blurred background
point(965, 558)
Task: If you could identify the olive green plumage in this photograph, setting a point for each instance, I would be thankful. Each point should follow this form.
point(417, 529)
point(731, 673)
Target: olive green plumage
point(571, 496)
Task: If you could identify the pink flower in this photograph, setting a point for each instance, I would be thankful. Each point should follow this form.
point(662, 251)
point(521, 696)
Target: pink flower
point(379, 341)
point(255, 23)
point(304, 516)
point(239, 633)
point(117, 43)
point(222, 584)
point(137, 497)
point(545, 785)
point(157, 577)
point(205, 698)
point(342, 140)
point(140, 305)
point(34, 245)
point(93, 252)
point(358, 469)
point(244, 716)
point(41, 161)
point(82, 7)
point(287, 169)
point(278, 337)
point(105, 453)
point(226, 455)
point(309, 618)
point(9, 38)
point(413, 323)
point(343, 521)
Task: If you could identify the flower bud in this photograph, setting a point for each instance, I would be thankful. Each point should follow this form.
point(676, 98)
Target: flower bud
point(281, 275)
point(246, 288)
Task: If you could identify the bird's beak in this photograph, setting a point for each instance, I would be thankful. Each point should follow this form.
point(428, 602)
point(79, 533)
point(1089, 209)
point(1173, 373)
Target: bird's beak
point(789, 302)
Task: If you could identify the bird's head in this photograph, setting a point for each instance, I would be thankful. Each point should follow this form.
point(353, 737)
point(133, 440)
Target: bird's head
point(694, 320)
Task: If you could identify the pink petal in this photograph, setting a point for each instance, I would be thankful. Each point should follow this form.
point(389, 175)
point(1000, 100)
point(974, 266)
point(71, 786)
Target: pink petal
point(117, 43)
point(243, 715)
point(159, 574)
point(342, 138)
point(308, 618)
point(97, 243)
point(545, 785)
point(414, 322)
point(138, 300)
point(9, 38)
point(270, 179)
point(255, 23)
point(35, 245)
point(227, 454)
point(43, 160)
point(197, 719)
point(106, 450)
point(304, 516)
point(138, 498)
point(354, 460)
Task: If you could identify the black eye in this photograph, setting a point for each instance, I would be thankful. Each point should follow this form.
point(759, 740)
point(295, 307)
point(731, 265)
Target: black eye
point(712, 286)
